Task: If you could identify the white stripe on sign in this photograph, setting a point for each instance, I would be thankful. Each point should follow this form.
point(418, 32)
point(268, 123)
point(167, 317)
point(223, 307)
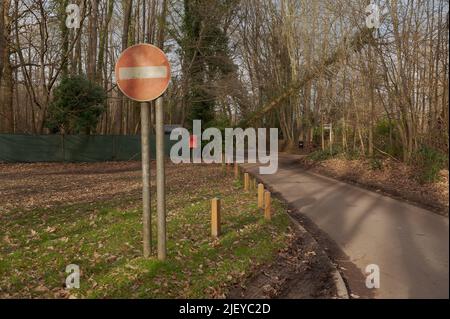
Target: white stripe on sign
point(143, 72)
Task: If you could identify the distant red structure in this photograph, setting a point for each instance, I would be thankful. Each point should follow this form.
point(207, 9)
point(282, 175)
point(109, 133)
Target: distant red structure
point(193, 141)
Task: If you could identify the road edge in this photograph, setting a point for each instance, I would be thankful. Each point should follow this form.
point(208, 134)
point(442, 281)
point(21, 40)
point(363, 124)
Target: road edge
point(341, 288)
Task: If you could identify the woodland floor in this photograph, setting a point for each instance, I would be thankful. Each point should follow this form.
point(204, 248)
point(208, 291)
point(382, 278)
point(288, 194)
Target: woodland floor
point(53, 215)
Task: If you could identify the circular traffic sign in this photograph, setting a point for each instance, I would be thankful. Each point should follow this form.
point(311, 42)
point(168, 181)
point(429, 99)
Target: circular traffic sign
point(143, 72)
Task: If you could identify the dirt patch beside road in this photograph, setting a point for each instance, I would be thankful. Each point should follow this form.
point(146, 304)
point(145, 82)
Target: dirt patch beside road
point(301, 271)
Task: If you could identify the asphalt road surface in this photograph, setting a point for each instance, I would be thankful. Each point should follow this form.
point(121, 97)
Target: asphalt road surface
point(409, 244)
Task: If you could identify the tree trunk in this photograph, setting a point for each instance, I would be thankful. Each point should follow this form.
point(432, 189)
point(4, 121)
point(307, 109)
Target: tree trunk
point(4, 7)
point(92, 47)
point(6, 98)
point(103, 41)
point(127, 9)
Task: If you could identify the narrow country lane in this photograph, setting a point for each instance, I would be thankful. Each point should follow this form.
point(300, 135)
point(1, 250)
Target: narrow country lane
point(408, 243)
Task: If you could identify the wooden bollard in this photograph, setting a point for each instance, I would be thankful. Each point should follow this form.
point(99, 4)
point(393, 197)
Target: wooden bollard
point(215, 217)
point(267, 206)
point(250, 183)
point(260, 195)
point(246, 182)
point(236, 170)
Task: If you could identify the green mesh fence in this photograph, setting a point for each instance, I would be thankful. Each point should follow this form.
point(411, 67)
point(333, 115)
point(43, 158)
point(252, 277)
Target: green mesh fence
point(73, 148)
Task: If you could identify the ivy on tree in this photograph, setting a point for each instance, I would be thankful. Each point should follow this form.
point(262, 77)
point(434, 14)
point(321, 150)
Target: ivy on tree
point(76, 106)
point(205, 45)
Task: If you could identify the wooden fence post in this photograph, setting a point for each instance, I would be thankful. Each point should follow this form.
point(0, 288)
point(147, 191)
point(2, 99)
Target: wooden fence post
point(246, 182)
point(267, 206)
point(236, 170)
point(215, 217)
point(260, 195)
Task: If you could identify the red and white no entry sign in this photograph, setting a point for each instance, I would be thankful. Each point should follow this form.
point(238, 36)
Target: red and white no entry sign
point(143, 72)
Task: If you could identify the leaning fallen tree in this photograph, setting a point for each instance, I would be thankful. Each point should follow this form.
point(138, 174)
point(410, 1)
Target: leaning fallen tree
point(343, 51)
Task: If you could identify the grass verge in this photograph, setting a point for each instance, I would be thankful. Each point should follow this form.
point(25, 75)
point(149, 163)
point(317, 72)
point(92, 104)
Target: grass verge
point(104, 239)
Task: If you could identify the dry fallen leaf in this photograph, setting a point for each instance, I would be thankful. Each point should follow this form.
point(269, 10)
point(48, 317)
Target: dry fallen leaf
point(41, 288)
point(50, 229)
